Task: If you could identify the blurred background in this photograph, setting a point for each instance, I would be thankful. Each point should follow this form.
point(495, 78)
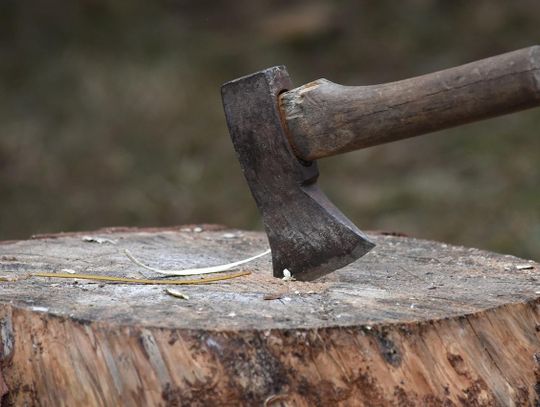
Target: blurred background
point(110, 114)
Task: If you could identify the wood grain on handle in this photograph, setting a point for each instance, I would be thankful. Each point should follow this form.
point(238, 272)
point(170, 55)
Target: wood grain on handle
point(325, 119)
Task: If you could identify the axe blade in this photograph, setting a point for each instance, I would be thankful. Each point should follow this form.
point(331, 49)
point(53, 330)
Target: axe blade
point(308, 235)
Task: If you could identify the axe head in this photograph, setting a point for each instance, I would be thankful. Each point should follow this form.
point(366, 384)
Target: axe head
point(307, 234)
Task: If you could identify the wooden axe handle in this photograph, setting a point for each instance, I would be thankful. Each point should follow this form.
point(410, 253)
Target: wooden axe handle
point(324, 119)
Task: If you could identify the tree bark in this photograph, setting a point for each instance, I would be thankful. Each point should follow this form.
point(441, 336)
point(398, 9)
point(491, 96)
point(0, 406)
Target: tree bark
point(414, 322)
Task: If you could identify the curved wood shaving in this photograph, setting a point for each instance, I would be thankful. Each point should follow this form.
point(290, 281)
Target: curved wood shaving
point(195, 271)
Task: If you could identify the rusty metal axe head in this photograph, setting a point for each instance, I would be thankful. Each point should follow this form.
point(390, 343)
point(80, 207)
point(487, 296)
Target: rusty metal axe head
point(308, 235)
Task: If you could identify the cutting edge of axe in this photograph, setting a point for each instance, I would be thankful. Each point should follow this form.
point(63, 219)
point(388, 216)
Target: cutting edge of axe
point(279, 131)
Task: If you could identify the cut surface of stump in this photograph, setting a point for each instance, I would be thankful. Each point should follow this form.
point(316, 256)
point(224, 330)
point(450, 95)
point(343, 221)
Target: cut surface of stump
point(413, 322)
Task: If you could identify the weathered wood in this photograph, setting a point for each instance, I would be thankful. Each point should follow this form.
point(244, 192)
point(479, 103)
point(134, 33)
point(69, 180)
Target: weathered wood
point(324, 118)
point(413, 322)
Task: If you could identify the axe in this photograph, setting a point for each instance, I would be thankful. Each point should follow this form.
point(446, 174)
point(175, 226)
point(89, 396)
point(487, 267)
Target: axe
point(279, 132)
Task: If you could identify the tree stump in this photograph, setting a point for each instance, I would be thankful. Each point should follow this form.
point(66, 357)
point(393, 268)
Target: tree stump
point(414, 322)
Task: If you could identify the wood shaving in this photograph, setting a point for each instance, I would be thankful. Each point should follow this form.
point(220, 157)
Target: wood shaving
point(98, 240)
point(195, 271)
point(138, 280)
point(176, 293)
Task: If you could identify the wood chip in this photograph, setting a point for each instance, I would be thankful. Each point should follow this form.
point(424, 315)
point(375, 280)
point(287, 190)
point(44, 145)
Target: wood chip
point(287, 276)
point(272, 296)
point(98, 240)
point(176, 293)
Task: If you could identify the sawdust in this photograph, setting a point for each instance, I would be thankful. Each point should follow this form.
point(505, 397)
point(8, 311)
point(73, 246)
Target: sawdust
point(261, 280)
